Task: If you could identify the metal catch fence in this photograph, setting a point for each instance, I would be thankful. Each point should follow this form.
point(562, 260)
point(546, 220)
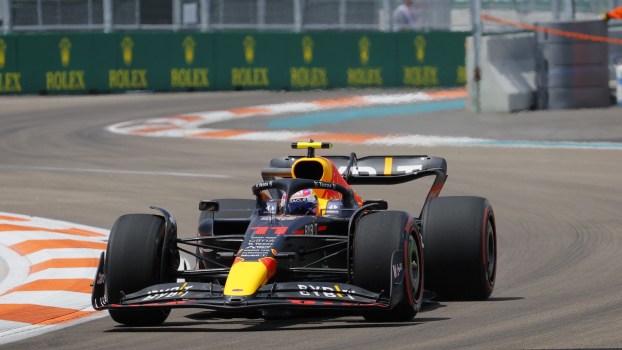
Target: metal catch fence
point(287, 15)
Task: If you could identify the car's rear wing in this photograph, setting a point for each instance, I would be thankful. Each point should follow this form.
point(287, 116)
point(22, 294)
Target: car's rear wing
point(374, 170)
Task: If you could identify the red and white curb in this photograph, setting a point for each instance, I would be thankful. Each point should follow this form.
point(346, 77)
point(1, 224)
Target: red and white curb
point(51, 265)
point(195, 125)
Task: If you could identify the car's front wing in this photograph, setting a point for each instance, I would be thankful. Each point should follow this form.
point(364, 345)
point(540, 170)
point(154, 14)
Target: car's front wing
point(323, 295)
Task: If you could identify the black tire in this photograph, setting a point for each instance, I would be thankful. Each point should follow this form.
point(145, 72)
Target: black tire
point(377, 236)
point(133, 263)
point(460, 241)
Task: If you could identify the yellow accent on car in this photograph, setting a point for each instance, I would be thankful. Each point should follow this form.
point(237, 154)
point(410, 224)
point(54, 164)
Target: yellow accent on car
point(181, 289)
point(338, 291)
point(388, 165)
point(303, 145)
point(245, 278)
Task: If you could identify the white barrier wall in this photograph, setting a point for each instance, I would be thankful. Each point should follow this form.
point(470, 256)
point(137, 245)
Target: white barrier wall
point(508, 80)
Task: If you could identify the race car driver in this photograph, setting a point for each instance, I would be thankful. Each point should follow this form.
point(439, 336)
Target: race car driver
point(303, 202)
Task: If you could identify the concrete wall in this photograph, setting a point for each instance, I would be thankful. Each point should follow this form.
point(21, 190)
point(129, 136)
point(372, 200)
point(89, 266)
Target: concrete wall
point(508, 74)
point(508, 82)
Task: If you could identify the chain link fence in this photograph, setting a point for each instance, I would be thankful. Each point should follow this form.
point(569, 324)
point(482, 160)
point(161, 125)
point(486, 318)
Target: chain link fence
point(77, 14)
point(289, 15)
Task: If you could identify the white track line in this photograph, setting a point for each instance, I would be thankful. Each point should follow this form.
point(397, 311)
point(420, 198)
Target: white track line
point(113, 171)
point(18, 268)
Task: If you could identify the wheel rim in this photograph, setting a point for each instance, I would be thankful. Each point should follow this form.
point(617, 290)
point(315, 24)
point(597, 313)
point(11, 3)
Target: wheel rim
point(414, 267)
point(491, 252)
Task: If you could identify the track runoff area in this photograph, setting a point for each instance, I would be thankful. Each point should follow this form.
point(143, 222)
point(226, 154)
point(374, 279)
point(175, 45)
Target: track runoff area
point(47, 285)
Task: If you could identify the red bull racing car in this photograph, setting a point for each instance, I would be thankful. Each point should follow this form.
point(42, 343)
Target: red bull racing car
point(306, 241)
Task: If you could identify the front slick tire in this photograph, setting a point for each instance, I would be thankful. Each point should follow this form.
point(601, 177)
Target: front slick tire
point(460, 247)
point(378, 235)
point(133, 263)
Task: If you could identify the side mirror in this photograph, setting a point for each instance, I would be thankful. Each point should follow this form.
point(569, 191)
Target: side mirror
point(208, 206)
point(272, 206)
point(333, 207)
point(379, 204)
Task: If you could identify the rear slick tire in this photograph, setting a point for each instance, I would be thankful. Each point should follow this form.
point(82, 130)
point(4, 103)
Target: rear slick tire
point(378, 235)
point(460, 241)
point(133, 263)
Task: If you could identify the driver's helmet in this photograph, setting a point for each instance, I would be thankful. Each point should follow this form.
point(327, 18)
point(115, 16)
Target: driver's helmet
point(303, 202)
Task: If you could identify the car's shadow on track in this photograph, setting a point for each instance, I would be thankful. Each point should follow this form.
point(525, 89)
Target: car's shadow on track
point(504, 298)
point(213, 321)
point(223, 322)
point(431, 306)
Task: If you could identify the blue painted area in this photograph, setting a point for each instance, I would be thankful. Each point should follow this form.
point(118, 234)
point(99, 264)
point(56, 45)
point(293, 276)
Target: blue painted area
point(342, 115)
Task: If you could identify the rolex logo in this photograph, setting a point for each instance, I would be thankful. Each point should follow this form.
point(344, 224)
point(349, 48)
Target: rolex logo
point(65, 51)
point(364, 46)
point(189, 45)
point(419, 43)
point(249, 49)
point(127, 44)
point(3, 48)
point(307, 49)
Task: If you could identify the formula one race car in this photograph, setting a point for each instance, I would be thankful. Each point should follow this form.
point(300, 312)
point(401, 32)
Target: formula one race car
point(338, 252)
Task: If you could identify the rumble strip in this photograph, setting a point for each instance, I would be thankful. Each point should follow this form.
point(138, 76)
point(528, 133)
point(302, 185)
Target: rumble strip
point(196, 125)
point(50, 268)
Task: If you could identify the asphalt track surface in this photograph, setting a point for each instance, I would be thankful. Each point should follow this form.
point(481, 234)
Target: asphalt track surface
point(559, 279)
